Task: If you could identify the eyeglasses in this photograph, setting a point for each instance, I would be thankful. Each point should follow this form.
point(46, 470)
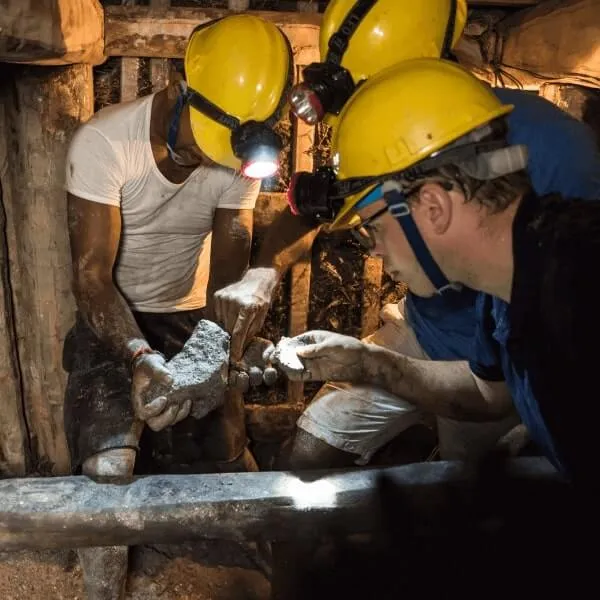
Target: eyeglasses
point(364, 235)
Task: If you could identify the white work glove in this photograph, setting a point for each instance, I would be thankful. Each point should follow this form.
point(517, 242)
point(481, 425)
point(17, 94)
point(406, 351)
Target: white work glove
point(151, 374)
point(253, 370)
point(323, 356)
point(241, 308)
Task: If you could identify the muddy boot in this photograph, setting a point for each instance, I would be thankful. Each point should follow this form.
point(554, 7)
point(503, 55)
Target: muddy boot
point(105, 568)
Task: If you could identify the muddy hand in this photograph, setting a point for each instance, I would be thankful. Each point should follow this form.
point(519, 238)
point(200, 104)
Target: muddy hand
point(151, 382)
point(241, 308)
point(319, 356)
point(253, 370)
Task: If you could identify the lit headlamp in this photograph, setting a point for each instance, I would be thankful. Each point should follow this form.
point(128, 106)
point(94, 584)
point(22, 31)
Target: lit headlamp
point(254, 142)
point(258, 147)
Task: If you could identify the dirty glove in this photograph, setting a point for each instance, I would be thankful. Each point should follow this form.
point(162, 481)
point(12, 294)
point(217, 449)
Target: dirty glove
point(151, 381)
point(319, 356)
point(241, 308)
point(253, 370)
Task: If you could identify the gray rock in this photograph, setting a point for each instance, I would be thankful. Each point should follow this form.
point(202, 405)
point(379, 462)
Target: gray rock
point(201, 369)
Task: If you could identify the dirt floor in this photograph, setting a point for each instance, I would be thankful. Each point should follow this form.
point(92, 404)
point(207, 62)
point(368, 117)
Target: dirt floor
point(198, 571)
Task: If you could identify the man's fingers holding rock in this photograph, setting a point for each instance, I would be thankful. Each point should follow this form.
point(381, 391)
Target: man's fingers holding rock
point(165, 419)
point(152, 408)
point(184, 411)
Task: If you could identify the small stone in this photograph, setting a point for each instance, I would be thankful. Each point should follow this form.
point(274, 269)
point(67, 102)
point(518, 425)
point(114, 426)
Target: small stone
point(270, 376)
point(256, 376)
point(285, 355)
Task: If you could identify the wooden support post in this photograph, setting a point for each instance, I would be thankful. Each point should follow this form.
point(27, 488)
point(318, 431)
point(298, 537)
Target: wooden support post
point(130, 72)
point(303, 141)
point(159, 67)
point(46, 106)
point(140, 31)
point(13, 433)
point(371, 301)
point(70, 512)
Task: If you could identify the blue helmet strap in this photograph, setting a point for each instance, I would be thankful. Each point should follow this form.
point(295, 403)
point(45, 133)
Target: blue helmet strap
point(174, 125)
point(399, 208)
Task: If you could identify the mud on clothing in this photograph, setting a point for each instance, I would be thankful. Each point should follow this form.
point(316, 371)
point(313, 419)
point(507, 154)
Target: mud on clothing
point(545, 342)
point(98, 412)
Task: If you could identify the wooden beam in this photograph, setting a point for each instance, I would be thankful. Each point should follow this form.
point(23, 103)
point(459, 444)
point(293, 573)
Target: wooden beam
point(159, 67)
point(303, 136)
point(291, 5)
point(371, 300)
point(70, 512)
point(505, 3)
point(146, 32)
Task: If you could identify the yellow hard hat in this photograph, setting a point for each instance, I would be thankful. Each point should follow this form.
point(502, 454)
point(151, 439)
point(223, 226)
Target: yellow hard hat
point(364, 37)
point(403, 116)
point(243, 66)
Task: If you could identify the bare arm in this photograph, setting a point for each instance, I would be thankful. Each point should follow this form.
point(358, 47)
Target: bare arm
point(448, 389)
point(230, 251)
point(287, 240)
point(95, 232)
point(243, 306)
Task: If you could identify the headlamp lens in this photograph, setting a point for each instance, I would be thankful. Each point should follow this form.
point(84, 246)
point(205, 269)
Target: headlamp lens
point(260, 169)
point(306, 104)
point(258, 147)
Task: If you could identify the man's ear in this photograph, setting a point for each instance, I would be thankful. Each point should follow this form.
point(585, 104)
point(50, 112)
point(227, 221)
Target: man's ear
point(435, 207)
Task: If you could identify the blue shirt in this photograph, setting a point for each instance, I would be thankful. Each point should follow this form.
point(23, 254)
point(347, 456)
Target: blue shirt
point(492, 361)
point(544, 344)
point(564, 159)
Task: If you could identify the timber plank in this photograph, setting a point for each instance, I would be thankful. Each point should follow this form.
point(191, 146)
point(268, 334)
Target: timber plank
point(47, 106)
point(70, 512)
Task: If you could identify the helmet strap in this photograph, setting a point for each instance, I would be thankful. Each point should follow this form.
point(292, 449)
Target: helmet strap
point(338, 44)
point(400, 210)
point(173, 131)
point(449, 35)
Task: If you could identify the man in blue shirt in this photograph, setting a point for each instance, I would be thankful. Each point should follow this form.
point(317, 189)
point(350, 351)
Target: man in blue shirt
point(346, 423)
point(443, 198)
point(562, 158)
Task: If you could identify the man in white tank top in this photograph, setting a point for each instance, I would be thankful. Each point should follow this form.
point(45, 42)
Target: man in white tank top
point(160, 201)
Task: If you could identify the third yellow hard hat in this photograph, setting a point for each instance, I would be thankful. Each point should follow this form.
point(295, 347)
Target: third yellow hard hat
point(403, 116)
point(242, 65)
point(360, 38)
